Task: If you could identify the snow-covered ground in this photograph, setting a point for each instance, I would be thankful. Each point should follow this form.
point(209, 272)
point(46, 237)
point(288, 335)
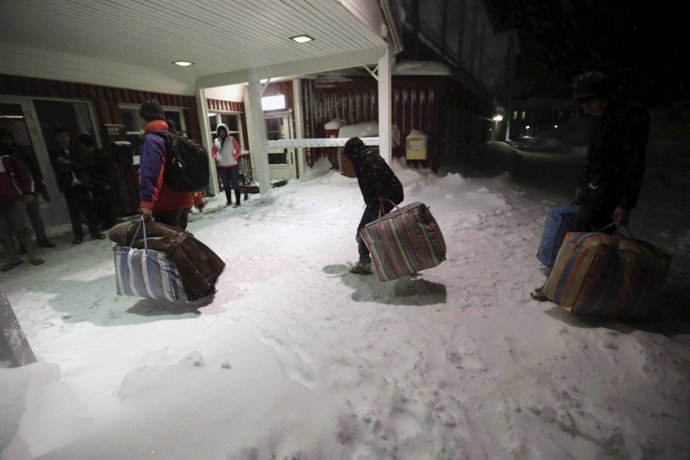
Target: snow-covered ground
point(296, 358)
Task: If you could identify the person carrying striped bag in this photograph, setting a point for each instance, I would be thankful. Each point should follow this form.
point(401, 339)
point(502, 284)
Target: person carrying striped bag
point(381, 190)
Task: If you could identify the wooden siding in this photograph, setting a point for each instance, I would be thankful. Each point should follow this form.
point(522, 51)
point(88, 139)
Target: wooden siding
point(106, 100)
point(453, 116)
point(417, 104)
point(224, 106)
point(133, 43)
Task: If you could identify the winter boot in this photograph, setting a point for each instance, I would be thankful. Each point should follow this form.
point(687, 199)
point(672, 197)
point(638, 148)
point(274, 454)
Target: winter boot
point(362, 268)
point(238, 197)
point(228, 197)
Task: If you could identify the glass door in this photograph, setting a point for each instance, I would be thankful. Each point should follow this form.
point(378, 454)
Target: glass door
point(281, 161)
point(17, 116)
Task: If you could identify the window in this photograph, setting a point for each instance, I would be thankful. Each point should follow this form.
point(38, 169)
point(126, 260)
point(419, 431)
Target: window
point(274, 129)
point(231, 120)
point(273, 102)
point(134, 124)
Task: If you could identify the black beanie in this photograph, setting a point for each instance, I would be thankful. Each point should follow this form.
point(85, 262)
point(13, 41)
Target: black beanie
point(590, 85)
point(353, 145)
point(86, 139)
point(151, 110)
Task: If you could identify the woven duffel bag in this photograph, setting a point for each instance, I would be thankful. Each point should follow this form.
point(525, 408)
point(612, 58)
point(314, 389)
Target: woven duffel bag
point(404, 241)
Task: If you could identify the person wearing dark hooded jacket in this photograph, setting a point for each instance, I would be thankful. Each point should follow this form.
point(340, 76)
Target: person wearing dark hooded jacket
point(381, 191)
point(615, 165)
point(75, 183)
point(227, 151)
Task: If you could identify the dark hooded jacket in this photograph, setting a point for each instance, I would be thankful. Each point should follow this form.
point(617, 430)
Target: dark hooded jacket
point(376, 179)
point(615, 163)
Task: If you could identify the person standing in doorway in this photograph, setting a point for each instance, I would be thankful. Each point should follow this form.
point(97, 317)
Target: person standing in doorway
point(227, 151)
point(33, 207)
point(381, 190)
point(157, 199)
point(75, 184)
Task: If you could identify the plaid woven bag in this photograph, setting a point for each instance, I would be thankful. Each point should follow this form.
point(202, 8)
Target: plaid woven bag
point(404, 241)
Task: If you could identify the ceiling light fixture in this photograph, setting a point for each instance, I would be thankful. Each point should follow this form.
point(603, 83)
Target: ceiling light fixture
point(301, 38)
point(183, 63)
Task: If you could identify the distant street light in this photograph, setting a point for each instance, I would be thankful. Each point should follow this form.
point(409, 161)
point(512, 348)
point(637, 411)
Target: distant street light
point(498, 117)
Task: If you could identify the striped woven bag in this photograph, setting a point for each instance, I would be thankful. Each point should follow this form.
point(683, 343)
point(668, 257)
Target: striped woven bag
point(404, 241)
point(146, 273)
point(607, 275)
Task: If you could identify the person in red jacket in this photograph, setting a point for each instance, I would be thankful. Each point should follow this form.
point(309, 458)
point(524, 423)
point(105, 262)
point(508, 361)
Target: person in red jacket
point(15, 191)
point(158, 200)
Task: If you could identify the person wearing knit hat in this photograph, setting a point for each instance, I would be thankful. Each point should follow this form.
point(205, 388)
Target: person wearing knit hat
point(151, 110)
point(610, 182)
point(157, 199)
point(615, 163)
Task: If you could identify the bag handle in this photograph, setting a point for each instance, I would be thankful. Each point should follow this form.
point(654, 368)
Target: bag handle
point(142, 225)
point(627, 229)
point(619, 231)
point(391, 202)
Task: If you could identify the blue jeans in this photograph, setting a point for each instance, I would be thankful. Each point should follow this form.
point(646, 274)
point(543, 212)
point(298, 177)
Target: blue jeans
point(231, 181)
point(371, 213)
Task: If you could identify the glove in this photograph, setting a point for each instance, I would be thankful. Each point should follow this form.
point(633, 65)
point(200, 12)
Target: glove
point(621, 216)
point(200, 205)
point(146, 213)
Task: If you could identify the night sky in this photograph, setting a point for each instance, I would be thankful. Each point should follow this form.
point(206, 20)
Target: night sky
point(643, 45)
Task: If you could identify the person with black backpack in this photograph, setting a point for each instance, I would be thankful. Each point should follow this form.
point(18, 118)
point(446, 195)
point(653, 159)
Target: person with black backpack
point(159, 199)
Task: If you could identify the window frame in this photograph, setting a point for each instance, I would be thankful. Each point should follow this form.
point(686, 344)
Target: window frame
point(237, 134)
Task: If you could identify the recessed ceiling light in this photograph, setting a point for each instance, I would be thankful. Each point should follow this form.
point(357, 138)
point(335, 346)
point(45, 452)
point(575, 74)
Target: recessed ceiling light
point(301, 38)
point(183, 63)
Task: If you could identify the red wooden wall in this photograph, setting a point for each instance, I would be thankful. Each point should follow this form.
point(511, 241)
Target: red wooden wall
point(105, 99)
point(417, 103)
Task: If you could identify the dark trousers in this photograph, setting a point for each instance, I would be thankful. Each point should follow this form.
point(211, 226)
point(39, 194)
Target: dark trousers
point(80, 203)
point(371, 213)
point(33, 209)
point(601, 204)
point(174, 217)
point(104, 199)
point(231, 181)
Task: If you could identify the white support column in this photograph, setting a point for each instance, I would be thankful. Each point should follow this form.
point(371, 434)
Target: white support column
point(385, 112)
point(299, 124)
point(206, 139)
point(257, 133)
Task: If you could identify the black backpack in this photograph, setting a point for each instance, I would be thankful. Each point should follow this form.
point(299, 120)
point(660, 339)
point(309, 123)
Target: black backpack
point(186, 165)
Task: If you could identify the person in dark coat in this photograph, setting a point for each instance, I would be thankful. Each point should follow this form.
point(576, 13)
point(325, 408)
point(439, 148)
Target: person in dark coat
point(75, 184)
point(381, 190)
point(96, 163)
point(615, 165)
